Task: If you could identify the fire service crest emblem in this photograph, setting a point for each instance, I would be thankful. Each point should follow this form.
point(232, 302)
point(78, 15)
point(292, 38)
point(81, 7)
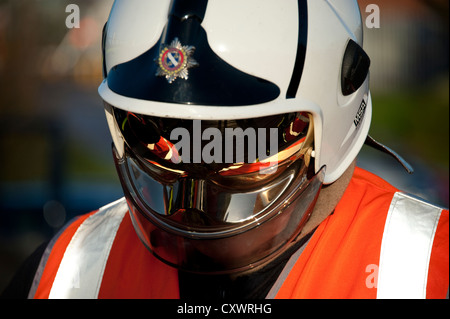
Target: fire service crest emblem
point(175, 60)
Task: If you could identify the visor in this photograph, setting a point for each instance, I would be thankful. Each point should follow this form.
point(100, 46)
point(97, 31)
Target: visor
point(217, 217)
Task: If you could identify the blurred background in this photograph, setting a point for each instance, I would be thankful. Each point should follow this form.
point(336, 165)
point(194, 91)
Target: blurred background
point(55, 147)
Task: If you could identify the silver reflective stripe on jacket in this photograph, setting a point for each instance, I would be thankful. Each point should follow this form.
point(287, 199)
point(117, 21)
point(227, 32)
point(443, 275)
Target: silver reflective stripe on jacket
point(406, 248)
point(81, 270)
point(285, 272)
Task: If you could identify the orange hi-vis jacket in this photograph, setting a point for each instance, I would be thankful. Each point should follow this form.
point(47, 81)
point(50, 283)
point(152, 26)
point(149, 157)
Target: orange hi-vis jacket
point(378, 243)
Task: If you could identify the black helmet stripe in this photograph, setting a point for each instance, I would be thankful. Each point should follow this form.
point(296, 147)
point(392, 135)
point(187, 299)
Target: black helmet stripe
point(301, 49)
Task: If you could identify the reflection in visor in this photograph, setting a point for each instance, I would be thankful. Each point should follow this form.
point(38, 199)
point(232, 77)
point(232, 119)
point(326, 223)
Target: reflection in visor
point(214, 216)
point(218, 205)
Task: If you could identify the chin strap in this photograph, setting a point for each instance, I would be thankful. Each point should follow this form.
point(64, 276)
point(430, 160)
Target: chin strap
point(377, 145)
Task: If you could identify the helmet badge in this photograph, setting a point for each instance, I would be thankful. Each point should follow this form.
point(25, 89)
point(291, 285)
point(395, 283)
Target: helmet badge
point(174, 61)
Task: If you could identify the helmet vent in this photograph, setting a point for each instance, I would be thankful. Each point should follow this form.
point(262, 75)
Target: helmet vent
point(355, 67)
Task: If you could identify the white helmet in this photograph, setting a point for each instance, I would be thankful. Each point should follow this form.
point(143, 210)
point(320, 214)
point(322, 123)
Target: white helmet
point(265, 61)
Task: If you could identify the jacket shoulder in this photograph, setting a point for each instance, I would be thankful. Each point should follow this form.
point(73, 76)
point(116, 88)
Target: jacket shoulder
point(363, 176)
